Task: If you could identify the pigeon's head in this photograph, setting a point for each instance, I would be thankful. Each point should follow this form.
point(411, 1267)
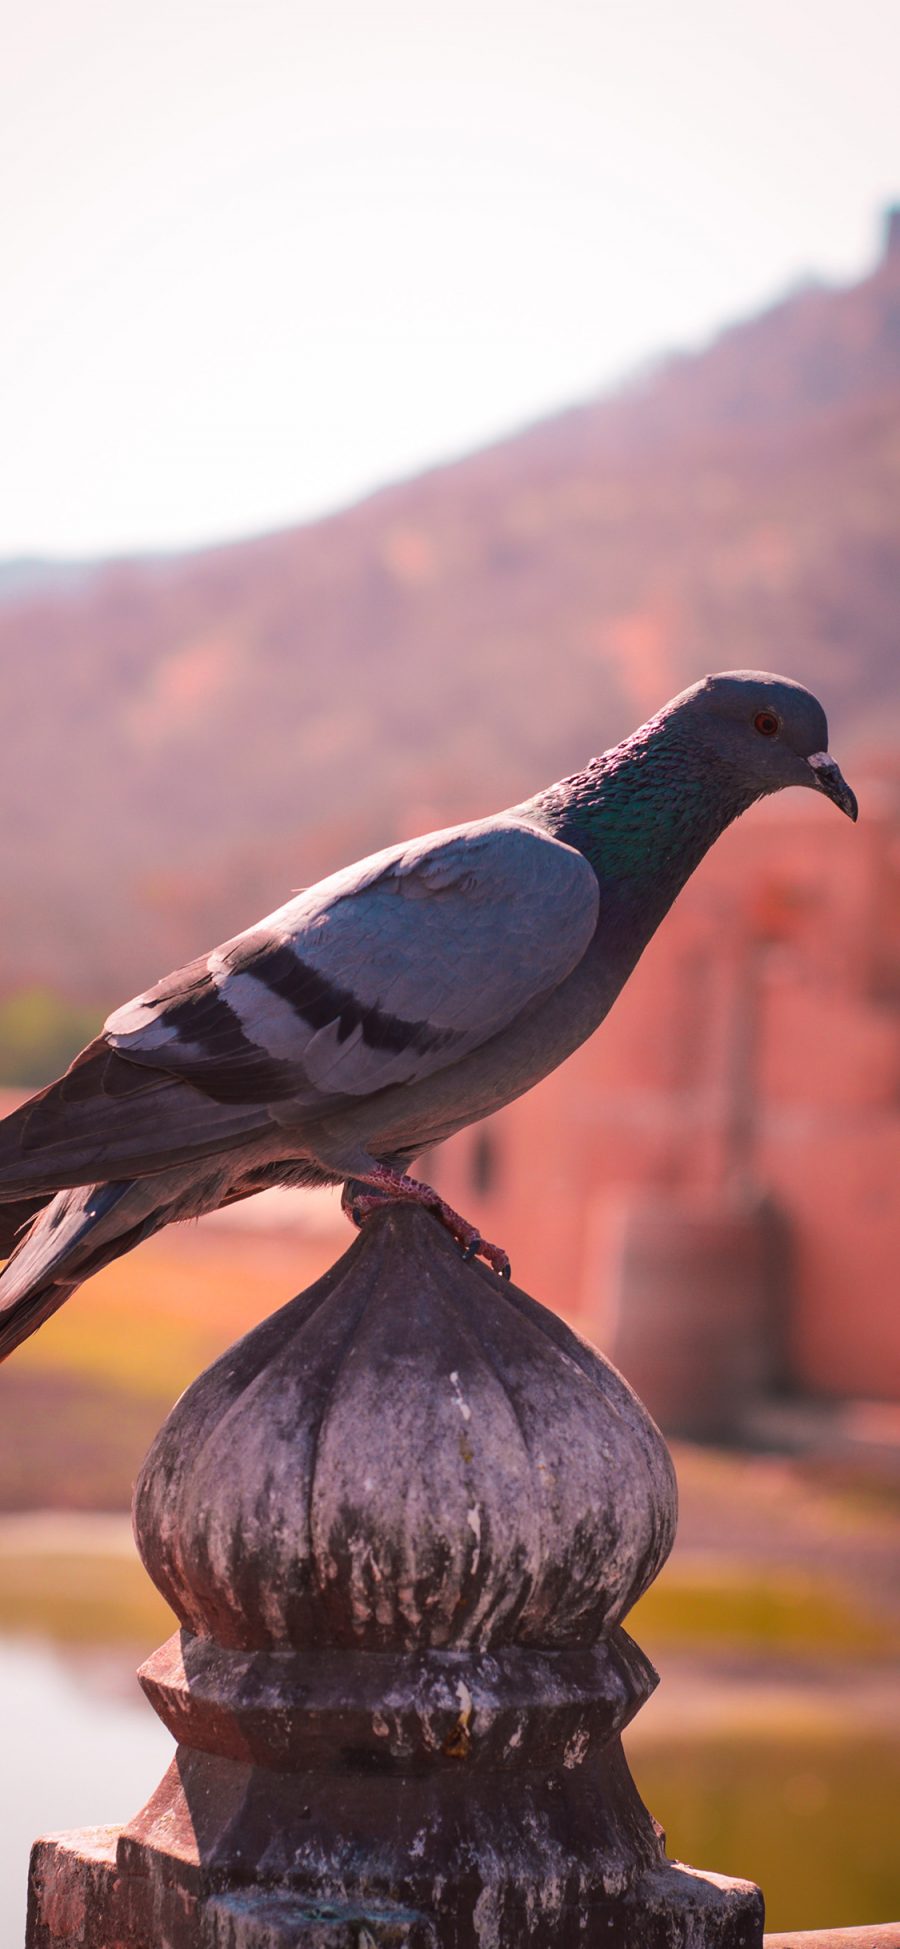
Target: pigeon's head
point(769, 731)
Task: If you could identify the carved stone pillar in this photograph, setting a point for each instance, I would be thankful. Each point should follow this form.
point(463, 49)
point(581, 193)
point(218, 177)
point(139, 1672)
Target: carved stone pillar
point(399, 1523)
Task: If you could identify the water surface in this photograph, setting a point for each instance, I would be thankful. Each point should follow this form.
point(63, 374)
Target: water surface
point(80, 1747)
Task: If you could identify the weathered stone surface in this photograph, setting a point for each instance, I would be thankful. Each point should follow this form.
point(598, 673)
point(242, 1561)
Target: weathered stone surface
point(400, 1523)
point(410, 1454)
point(78, 1897)
point(509, 1709)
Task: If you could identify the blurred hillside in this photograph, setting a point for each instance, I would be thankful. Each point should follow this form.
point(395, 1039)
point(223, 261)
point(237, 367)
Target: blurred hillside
point(186, 739)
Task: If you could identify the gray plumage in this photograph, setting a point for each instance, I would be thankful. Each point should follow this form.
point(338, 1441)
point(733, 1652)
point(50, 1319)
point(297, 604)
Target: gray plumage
point(395, 1002)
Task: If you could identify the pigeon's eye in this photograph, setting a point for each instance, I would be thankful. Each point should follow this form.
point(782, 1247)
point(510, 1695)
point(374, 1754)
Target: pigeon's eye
point(766, 724)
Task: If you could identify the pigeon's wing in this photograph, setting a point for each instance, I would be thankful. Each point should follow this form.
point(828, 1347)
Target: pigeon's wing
point(108, 1118)
point(381, 975)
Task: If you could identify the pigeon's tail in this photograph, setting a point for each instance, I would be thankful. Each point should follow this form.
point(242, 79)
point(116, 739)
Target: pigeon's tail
point(15, 1218)
point(75, 1234)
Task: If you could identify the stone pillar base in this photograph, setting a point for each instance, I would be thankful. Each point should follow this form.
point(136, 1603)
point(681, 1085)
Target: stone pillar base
point(399, 1524)
point(79, 1898)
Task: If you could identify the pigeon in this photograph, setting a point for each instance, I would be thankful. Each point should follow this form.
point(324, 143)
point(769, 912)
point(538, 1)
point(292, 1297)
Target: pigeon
point(390, 1005)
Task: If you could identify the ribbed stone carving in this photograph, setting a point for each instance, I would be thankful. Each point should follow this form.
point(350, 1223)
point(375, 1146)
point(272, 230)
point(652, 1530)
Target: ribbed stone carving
point(410, 1455)
point(399, 1523)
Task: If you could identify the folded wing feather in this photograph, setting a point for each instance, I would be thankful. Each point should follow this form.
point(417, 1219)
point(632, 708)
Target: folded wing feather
point(379, 976)
point(382, 975)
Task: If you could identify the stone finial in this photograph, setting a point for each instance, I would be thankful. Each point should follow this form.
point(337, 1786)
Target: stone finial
point(409, 1456)
point(400, 1522)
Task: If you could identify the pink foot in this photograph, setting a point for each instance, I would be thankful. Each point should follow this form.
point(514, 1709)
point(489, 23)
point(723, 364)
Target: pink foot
point(393, 1187)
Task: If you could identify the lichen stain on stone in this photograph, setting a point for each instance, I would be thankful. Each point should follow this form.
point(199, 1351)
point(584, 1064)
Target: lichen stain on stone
point(576, 1750)
point(486, 1918)
point(545, 1902)
point(473, 1519)
point(458, 1397)
point(616, 1883)
point(458, 1743)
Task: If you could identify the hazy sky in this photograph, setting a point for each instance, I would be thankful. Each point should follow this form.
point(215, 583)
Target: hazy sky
point(258, 258)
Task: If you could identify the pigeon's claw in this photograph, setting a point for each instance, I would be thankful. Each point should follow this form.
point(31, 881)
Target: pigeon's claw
point(494, 1255)
point(359, 1206)
point(362, 1196)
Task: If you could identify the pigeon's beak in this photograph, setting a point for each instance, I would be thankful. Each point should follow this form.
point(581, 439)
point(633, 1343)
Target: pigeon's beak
point(827, 778)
